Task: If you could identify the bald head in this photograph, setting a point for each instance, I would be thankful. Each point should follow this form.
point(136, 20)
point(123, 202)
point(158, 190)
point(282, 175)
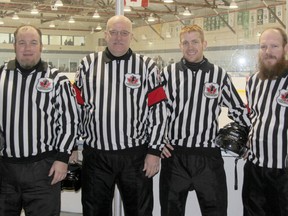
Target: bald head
point(118, 35)
point(119, 19)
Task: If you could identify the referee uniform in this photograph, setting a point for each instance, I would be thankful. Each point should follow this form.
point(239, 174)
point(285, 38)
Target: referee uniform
point(265, 187)
point(196, 92)
point(39, 119)
point(123, 116)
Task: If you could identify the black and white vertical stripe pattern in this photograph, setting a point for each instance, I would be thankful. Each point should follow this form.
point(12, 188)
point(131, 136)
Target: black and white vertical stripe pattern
point(115, 115)
point(35, 122)
point(193, 112)
point(268, 103)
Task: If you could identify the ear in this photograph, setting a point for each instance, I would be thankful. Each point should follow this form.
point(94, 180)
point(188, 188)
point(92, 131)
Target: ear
point(106, 35)
point(286, 51)
point(130, 37)
point(286, 48)
point(204, 44)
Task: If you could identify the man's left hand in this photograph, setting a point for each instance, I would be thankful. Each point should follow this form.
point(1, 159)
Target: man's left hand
point(73, 157)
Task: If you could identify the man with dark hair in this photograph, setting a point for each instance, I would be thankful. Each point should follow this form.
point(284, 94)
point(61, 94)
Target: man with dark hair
point(39, 121)
point(265, 187)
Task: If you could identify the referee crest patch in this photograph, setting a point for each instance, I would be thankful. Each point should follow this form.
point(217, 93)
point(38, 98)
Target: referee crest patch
point(282, 99)
point(132, 81)
point(211, 90)
point(45, 85)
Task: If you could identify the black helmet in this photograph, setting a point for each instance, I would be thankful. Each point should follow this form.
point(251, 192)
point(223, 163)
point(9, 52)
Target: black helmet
point(73, 178)
point(232, 138)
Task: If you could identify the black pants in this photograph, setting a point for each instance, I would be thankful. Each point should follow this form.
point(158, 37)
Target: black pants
point(183, 173)
point(102, 171)
point(28, 186)
point(265, 191)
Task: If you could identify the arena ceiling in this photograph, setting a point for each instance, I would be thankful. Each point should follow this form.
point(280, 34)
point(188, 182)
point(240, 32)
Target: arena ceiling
point(82, 11)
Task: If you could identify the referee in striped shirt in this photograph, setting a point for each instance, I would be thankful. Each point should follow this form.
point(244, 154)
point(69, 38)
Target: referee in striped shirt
point(265, 187)
point(196, 90)
point(123, 121)
point(39, 120)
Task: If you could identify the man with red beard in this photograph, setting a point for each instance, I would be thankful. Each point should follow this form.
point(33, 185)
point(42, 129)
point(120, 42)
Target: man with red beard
point(265, 187)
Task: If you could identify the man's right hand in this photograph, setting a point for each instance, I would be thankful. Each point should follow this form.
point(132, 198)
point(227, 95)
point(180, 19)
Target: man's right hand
point(166, 151)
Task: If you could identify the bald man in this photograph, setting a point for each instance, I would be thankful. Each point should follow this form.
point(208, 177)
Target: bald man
point(123, 115)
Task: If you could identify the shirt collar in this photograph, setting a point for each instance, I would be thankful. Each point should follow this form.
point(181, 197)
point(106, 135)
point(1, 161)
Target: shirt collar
point(203, 65)
point(41, 66)
point(108, 57)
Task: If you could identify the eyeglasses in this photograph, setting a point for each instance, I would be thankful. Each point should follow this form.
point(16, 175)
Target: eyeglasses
point(122, 33)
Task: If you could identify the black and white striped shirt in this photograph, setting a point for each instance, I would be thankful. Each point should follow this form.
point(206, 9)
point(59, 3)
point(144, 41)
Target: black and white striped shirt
point(38, 113)
point(195, 99)
point(268, 104)
point(123, 103)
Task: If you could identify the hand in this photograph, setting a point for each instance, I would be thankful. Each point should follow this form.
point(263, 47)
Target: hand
point(245, 156)
point(151, 165)
point(73, 157)
point(59, 170)
point(166, 152)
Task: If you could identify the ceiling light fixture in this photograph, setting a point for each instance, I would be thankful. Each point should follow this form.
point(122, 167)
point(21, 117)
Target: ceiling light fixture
point(98, 27)
point(34, 10)
point(233, 5)
point(54, 8)
point(71, 20)
point(127, 9)
point(168, 1)
point(1, 21)
point(143, 37)
point(187, 12)
point(15, 16)
point(151, 18)
point(96, 14)
point(168, 35)
point(58, 3)
point(52, 25)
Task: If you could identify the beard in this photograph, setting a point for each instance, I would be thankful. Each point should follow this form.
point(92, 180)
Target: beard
point(272, 71)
